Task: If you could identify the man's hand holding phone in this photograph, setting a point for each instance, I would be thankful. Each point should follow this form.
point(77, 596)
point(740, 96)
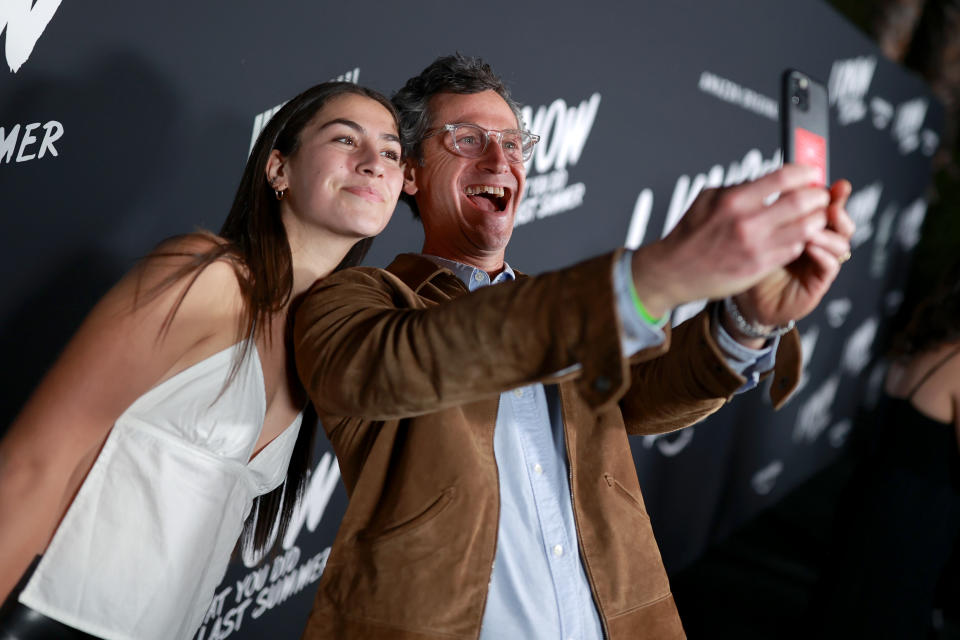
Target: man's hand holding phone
point(731, 238)
point(776, 257)
point(795, 289)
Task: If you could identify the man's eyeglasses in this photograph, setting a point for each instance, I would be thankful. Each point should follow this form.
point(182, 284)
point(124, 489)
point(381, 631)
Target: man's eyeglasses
point(470, 141)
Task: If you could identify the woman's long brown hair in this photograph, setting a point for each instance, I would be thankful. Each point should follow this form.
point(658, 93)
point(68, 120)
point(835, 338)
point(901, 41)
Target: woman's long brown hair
point(254, 241)
point(935, 319)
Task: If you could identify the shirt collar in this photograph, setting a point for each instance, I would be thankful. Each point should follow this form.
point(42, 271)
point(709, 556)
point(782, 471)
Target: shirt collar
point(471, 276)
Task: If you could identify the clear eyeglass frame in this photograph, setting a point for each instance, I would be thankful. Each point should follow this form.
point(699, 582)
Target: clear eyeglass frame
point(471, 140)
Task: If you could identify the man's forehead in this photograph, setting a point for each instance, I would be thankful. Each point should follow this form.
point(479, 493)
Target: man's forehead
point(486, 108)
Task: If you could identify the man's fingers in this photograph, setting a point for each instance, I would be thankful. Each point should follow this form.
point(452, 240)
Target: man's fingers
point(833, 242)
point(785, 179)
point(797, 232)
point(840, 192)
point(795, 205)
point(838, 218)
point(825, 264)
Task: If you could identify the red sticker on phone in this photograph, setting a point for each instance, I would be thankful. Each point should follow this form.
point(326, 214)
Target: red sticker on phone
point(811, 150)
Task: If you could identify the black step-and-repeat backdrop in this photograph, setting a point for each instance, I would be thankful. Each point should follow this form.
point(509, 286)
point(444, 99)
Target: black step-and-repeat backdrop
point(123, 123)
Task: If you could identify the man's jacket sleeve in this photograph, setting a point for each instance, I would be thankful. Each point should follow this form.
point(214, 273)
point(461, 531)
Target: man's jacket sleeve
point(368, 346)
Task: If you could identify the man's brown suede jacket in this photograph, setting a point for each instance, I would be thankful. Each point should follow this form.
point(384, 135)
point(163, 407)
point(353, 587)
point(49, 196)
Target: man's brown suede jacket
point(406, 372)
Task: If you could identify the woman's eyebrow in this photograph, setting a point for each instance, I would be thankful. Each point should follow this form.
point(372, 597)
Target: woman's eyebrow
point(359, 129)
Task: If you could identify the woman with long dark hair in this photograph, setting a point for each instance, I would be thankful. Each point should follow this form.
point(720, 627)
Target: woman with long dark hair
point(900, 518)
point(164, 430)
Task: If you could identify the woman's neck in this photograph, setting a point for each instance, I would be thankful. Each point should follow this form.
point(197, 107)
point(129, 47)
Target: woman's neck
point(314, 254)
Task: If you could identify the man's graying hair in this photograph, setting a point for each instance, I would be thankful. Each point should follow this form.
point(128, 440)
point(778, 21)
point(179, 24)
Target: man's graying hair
point(448, 74)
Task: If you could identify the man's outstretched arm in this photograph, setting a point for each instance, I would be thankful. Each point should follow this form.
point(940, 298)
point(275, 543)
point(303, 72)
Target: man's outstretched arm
point(367, 346)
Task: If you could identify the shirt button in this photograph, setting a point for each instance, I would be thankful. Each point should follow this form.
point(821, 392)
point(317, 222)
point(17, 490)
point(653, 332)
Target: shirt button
point(558, 550)
point(518, 393)
point(537, 468)
point(478, 276)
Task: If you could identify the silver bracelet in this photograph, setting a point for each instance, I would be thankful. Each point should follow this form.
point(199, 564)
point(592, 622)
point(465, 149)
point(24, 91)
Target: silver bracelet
point(753, 329)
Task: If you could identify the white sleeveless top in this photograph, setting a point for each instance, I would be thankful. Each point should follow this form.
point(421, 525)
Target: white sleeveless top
point(149, 535)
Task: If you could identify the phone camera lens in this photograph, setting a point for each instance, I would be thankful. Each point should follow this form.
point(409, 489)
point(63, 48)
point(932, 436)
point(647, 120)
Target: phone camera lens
point(800, 93)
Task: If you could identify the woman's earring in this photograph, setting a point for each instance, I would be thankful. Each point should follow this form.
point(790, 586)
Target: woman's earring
point(277, 192)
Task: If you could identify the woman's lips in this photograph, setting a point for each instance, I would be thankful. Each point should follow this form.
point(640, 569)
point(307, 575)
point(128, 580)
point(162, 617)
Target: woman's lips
point(367, 193)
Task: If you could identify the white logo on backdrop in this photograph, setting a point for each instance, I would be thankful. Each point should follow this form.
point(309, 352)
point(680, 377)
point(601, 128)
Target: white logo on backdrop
point(669, 444)
point(862, 207)
point(892, 301)
point(856, 352)
point(24, 22)
point(908, 231)
point(907, 123)
point(882, 112)
point(764, 480)
point(263, 589)
point(837, 311)
point(808, 344)
point(929, 141)
point(814, 416)
point(730, 91)
point(849, 81)
point(271, 584)
point(563, 132)
point(837, 434)
point(261, 119)
point(310, 509)
point(28, 137)
point(881, 241)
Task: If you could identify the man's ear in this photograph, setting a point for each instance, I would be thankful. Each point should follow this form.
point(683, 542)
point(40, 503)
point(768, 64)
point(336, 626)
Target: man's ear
point(410, 177)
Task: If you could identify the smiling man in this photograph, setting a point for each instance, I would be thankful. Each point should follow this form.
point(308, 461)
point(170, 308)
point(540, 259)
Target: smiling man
point(467, 198)
point(482, 430)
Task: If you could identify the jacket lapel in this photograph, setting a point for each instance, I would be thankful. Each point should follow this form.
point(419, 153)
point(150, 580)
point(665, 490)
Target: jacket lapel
point(426, 278)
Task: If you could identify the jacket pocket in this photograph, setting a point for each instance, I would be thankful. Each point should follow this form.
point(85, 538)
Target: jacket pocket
point(614, 484)
point(411, 523)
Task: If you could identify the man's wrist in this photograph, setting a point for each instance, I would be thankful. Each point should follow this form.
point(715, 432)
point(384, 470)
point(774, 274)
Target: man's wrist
point(746, 360)
point(643, 312)
point(747, 332)
point(650, 281)
point(639, 331)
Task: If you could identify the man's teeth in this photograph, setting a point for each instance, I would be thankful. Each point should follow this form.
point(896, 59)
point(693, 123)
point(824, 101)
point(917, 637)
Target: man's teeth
point(474, 190)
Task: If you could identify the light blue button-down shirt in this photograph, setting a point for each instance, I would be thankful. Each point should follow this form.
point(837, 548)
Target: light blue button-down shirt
point(538, 588)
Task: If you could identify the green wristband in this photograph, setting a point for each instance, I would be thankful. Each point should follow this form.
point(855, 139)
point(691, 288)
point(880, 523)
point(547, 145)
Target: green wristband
point(642, 310)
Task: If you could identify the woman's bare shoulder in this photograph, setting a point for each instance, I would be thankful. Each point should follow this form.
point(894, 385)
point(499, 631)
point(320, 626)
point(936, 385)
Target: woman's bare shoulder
point(190, 243)
point(931, 380)
point(199, 272)
point(951, 367)
point(133, 338)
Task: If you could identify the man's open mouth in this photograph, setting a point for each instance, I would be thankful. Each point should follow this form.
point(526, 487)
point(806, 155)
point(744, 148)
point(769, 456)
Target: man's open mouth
point(488, 197)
